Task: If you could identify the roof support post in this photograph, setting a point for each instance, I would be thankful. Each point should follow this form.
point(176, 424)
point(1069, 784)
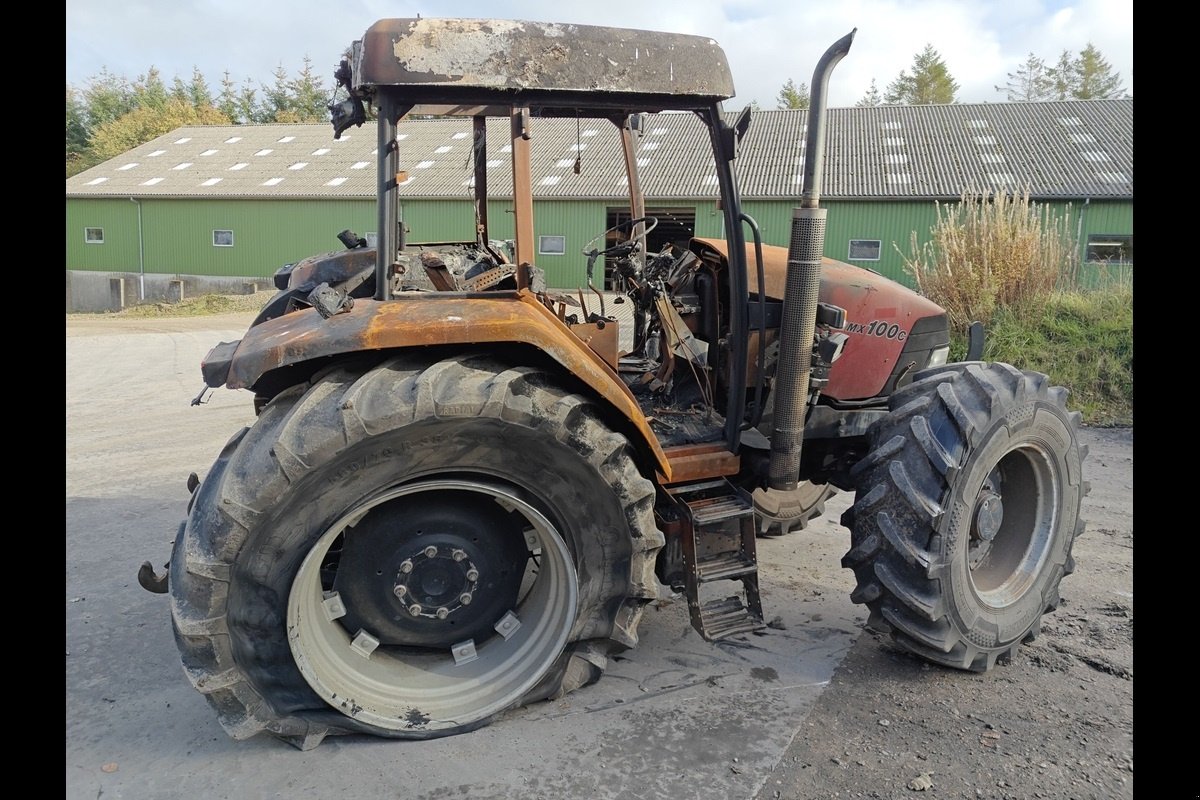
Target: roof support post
point(388, 214)
point(637, 202)
point(522, 192)
point(479, 129)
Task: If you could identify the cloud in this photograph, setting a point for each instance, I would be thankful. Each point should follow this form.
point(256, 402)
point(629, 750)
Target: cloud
point(767, 41)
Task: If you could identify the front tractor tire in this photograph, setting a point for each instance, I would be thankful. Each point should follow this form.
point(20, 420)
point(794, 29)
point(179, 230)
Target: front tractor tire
point(408, 550)
point(776, 516)
point(966, 508)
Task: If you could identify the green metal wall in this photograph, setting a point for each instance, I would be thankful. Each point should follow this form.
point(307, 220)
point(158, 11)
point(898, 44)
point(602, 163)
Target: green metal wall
point(118, 218)
point(887, 222)
point(893, 223)
point(1103, 218)
point(453, 221)
point(177, 234)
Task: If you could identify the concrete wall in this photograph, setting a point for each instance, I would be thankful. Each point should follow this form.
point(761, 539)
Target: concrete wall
point(89, 291)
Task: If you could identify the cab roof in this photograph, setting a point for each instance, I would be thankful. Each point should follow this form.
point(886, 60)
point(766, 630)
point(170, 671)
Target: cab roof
point(502, 61)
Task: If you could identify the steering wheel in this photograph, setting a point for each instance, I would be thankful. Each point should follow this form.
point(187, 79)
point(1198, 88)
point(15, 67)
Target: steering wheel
point(620, 248)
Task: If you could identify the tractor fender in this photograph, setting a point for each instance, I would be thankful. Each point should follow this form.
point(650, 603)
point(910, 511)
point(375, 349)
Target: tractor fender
point(423, 319)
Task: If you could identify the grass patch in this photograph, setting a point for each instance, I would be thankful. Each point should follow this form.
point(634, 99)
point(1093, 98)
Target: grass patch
point(1082, 340)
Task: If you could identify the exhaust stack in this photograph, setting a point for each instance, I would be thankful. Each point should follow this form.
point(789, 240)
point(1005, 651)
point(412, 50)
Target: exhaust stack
point(803, 285)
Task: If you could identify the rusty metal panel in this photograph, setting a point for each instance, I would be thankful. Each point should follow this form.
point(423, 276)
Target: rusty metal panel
point(431, 318)
point(693, 462)
point(544, 56)
point(602, 337)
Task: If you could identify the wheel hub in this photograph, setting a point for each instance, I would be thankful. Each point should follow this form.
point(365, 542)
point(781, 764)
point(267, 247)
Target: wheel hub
point(989, 516)
point(986, 520)
point(432, 572)
point(437, 581)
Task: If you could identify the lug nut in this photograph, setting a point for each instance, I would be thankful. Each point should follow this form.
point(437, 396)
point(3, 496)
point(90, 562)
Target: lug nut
point(465, 598)
point(443, 612)
point(400, 590)
point(431, 551)
point(472, 574)
point(415, 609)
point(459, 555)
point(406, 566)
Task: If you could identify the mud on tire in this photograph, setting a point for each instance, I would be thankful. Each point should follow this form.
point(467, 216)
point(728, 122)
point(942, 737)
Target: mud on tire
point(487, 446)
point(965, 512)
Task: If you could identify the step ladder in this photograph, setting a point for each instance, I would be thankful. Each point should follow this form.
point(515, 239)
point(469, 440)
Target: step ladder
point(718, 544)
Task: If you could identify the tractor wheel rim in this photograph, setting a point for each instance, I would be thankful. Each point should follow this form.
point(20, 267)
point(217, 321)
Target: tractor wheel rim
point(432, 688)
point(1013, 519)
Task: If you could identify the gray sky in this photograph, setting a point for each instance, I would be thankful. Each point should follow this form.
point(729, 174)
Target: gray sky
point(767, 41)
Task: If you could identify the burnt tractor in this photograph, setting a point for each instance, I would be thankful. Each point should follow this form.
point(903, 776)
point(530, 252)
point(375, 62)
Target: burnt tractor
point(461, 490)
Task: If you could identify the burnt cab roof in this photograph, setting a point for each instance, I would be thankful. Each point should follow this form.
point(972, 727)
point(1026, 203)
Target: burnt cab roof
point(473, 60)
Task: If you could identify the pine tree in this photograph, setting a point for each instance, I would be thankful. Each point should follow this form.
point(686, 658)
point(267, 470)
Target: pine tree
point(1094, 78)
point(179, 91)
point(309, 98)
point(106, 98)
point(198, 91)
point(929, 83)
point(1062, 77)
point(77, 131)
point(149, 91)
point(277, 99)
point(793, 96)
point(871, 98)
point(1031, 81)
point(249, 110)
point(227, 100)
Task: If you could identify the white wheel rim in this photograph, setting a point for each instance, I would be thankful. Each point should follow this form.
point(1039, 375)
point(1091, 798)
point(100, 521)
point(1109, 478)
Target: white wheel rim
point(1023, 541)
point(425, 689)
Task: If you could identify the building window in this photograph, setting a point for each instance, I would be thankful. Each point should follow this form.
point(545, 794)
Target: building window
point(552, 245)
point(1110, 248)
point(864, 250)
point(93, 235)
point(222, 238)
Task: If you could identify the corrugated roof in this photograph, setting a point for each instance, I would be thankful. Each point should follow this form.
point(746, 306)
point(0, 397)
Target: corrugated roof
point(1066, 149)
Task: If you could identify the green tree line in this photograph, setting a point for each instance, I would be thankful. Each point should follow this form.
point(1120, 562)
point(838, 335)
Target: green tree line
point(1086, 75)
point(109, 114)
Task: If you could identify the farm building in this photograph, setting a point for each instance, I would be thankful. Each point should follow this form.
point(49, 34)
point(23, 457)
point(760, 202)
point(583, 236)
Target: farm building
point(240, 201)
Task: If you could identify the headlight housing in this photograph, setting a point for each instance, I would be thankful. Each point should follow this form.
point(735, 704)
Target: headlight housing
point(938, 356)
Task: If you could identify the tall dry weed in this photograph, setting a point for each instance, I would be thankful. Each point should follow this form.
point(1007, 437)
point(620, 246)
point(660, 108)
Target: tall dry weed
point(993, 250)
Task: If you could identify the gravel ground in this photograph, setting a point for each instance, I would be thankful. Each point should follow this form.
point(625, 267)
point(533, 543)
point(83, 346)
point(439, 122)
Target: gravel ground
point(1057, 722)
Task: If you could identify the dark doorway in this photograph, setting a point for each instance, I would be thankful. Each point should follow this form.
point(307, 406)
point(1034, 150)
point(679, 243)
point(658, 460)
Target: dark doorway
point(675, 226)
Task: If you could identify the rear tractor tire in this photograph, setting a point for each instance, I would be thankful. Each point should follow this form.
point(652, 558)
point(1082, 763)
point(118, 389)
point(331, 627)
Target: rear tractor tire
point(966, 509)
point(409, 550)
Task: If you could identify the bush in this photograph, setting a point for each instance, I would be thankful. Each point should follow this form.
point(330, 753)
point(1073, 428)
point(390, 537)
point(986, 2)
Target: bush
point(993, 251)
